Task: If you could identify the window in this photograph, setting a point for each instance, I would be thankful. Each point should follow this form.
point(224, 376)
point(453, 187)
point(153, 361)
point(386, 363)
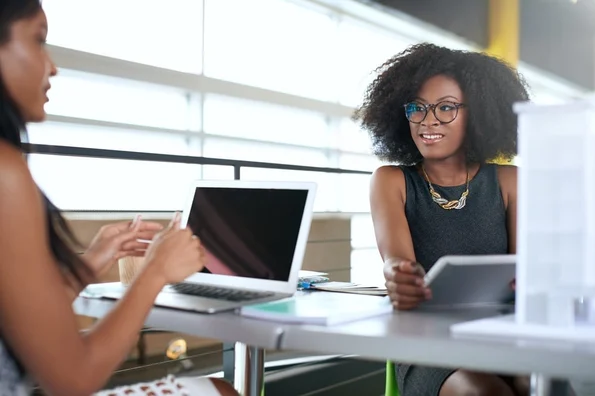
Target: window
point(352, 138)
point(262, 152)
point(66, 134)
point(84, 95)
point(326, 192)
point(216, 172)
point(104, 184)
point(362, 232)
point(366, 267)
point(262, 121)
point(361, 50)
point(271, 44)
point(140, 31)
point(359, 162)
point(353, 193)
point(542, 96)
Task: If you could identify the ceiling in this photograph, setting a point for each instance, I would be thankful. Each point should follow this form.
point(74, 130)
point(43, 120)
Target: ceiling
point(555, 35)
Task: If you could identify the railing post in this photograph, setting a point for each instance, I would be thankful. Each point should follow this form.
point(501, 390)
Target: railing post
point(237, 172)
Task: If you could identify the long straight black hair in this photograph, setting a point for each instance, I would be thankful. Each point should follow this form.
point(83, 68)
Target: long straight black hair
point(12, 128)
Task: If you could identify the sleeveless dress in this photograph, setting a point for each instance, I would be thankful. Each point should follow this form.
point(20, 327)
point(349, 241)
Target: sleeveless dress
point(12, 381)
point(478, 228)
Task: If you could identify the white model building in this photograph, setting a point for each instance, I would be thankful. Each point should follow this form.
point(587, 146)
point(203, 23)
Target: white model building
point(555, 282)
point(556, 214)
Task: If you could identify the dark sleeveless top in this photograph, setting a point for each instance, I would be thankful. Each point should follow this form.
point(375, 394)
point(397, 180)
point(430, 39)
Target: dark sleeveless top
point(478, 228)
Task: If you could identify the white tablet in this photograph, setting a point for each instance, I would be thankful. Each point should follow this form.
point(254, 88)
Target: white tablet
point(471, 281)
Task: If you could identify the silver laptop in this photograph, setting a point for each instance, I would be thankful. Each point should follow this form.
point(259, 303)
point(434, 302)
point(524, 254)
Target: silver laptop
point(255, 235)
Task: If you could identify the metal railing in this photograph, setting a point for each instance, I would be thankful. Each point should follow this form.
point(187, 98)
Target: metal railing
point(237, 165)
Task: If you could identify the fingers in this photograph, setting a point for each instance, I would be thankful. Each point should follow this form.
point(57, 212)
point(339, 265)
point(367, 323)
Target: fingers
point(137, 223)
point(403, 267)
point(134, 245)
point(408, 279)
point(411, 268)
point(146, 235)
point(134, 226)
point(174, 224)
point(150, 226)
point(405, 290)
point(405, 285)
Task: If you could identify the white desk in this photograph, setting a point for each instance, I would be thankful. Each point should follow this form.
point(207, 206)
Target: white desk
point(413, 337)
point(424, 338)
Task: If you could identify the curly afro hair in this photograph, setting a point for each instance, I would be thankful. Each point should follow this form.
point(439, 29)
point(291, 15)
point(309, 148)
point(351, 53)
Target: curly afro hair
point(490, 87)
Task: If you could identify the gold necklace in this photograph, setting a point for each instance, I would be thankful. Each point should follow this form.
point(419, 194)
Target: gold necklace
point(444, 203)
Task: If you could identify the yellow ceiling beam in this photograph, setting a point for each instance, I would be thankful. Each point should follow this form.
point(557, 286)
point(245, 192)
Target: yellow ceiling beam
point(504, 33)
point(503, 30)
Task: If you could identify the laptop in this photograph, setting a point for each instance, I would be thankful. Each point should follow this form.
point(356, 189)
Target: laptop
point(255, 236)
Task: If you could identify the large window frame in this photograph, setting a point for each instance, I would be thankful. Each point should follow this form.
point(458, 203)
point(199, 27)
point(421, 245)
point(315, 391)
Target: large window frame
point(184, 90)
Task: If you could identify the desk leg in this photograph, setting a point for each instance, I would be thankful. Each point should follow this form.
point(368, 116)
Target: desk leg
point(540, 385)
point(229, 361)
point(249, 370)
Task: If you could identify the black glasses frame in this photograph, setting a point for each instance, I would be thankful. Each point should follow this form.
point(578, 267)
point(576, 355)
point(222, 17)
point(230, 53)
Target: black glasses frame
point(432, 107)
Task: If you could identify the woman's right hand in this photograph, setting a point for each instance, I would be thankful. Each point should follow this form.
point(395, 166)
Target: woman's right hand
point(405, 284)
point(175, 253)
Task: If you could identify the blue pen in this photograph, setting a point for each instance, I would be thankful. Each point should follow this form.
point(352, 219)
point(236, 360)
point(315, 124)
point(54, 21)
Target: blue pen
point(305, 285)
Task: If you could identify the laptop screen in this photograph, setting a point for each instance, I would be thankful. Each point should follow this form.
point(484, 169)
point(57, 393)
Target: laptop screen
point(248, 232)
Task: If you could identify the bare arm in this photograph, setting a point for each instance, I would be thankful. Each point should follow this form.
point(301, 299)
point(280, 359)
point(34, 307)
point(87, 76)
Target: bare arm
point(387, 204)
point(507, 177)
point(403, 276)
point(36, 317)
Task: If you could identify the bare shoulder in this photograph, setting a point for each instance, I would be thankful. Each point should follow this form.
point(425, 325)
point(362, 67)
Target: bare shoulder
point(507, 171)
point(15, 177)
point(507, 176)
point(388, 178)
point(388, 181)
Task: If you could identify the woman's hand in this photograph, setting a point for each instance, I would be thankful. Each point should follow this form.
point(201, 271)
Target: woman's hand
point(118, 240)
point(175, 253)
point(405, 284)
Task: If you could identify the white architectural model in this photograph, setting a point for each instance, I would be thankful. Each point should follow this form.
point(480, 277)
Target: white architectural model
point(556, 214)
point(555, 284)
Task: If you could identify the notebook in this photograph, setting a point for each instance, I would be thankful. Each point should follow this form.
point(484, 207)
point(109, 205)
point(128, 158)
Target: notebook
point(325, 309)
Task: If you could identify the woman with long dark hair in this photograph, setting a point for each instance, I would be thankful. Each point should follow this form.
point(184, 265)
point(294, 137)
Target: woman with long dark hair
point(40, 271)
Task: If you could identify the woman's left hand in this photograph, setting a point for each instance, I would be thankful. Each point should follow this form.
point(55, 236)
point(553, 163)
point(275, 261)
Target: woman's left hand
point(117, 240)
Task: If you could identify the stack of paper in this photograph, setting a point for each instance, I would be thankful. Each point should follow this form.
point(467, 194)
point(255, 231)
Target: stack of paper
point(353, 288)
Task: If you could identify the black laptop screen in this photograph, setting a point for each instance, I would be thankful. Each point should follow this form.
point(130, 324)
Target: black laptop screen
point(248, 232)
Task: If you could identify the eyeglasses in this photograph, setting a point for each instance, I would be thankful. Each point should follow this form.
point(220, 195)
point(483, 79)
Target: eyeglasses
point(445, 112)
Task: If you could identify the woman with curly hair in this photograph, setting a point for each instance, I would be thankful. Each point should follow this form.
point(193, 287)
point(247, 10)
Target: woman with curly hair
point(442, 115)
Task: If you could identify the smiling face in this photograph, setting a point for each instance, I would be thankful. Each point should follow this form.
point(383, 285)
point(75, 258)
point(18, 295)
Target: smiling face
point(26, 67)
point(435, 137)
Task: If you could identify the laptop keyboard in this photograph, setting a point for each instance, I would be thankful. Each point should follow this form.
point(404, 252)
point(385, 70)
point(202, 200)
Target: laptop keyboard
point(218, 293)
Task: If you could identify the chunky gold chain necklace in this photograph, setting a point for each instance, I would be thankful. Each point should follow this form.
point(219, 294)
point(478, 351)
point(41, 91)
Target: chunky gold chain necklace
point(444, 203)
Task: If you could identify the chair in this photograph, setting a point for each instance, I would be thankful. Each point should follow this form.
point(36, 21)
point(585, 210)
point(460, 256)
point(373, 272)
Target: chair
point(391, 388)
